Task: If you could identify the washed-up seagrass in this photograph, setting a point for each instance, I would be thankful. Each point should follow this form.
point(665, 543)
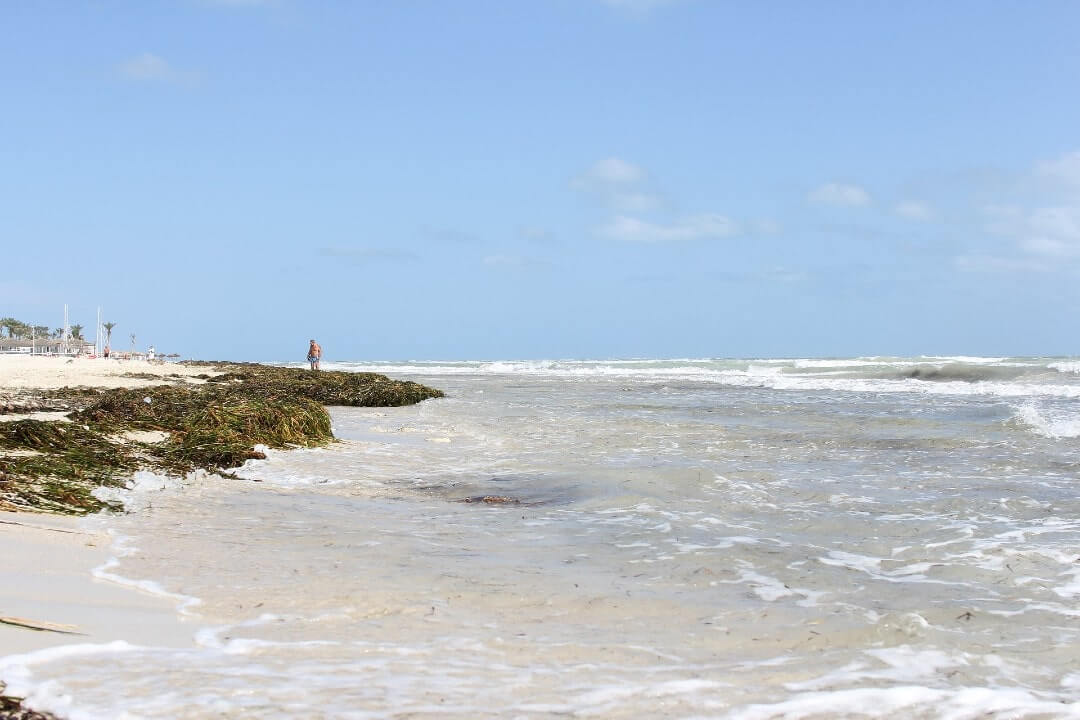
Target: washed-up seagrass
point(213, 426)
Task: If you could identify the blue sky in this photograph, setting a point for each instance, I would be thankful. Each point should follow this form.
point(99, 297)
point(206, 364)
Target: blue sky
point(545, 178)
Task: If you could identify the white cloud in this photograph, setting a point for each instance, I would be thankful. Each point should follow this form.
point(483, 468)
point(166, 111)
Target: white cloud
point(995, 263)
point(1041, 222)
point(690, 228)
point(914, 211)
point(149, 67)
point(1053, 231)
point(609, 172)
point(146, 67)
point(840, 195)
point(618, 183)
point(1065, 169)
point(1050, 231)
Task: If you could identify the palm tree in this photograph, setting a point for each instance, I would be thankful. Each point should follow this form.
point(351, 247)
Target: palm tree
point(108, 331)
point(76, 332)
point(15, 328)
point(18, 329)
point(132, 342)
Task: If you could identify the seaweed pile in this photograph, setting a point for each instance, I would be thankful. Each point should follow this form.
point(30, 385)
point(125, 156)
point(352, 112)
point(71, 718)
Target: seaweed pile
point(11, 708)
point(55, 466)
point(328, 387)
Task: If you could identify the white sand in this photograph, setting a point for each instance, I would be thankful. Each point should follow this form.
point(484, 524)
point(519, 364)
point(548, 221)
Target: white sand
point(46, 565)
point(46, 561)
point(19, 372)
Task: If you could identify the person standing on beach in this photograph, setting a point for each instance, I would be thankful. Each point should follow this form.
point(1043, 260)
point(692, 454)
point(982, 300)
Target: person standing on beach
point(314, 354)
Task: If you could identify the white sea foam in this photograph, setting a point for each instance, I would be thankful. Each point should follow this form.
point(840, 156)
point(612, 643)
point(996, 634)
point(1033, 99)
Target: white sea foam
point(680, 550)
point(122, 547)
point(1071, 366)
point(969, 703)
point(913, 573)
point(1050, 423)
point(835, 375)
point(50, 696)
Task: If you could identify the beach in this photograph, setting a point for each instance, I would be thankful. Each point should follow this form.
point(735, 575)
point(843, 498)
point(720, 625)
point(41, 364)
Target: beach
point(861, 537)
point(55, 573)
point(23, 371)
point(56, 568)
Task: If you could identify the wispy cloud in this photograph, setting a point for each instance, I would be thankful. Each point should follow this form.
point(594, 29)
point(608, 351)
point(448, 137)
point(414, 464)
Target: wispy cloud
point(509, 261)
point(149, 67)
point(1051, 231)
point(618, 183)
point(639, 6)
point(998, 264)
point(636, 201)
point(914, 211)
point(766, 226)
point(367, 256)
point(1064, 170)
point(607, 173)
point(839, 195)
point(449, 235)
point(535, 233)
point(696, 227)
point(1054, 231)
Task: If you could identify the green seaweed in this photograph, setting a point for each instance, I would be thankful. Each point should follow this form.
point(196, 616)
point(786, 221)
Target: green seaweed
point(328, 387)
point(68, 462)
point(214, 426)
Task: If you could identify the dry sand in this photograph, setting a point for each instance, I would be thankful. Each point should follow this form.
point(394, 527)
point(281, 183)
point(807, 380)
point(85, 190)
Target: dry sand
point(21, 372)
point(47, 561)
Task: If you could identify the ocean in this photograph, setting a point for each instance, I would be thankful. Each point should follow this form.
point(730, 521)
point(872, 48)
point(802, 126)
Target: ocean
point(772, 538)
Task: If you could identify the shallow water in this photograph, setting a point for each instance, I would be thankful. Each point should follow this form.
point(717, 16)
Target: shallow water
point(880, 537)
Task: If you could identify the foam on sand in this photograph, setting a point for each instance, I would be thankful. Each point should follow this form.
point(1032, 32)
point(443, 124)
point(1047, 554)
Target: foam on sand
point(48, 577)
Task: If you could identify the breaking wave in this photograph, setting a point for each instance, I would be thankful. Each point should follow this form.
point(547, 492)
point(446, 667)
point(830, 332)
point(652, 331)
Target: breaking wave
point(1052, 423)
point(960, 375)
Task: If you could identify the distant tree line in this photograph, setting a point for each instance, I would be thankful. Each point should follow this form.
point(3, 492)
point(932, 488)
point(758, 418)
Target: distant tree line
point(18, 330)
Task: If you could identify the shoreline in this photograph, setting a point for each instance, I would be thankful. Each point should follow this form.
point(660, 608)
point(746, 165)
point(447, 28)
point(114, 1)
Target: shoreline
point(69, 427)
point(52, 574)
point(52, 562)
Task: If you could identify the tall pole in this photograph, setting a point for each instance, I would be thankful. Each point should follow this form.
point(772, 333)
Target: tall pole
point(67, 332)
point(98, 347)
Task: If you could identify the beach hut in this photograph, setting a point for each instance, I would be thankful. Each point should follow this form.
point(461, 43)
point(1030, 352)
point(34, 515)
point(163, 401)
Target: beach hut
point(46, 346)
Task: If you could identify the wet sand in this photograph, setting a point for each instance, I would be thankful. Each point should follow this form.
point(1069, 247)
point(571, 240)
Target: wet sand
point(47, 566)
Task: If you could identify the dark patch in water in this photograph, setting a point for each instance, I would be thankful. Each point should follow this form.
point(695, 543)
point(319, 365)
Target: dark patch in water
point(494, 500)
point(960, 372)
point(525, 490)
point(943, 375)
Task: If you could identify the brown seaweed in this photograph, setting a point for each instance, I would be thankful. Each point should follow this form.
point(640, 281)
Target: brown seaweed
point(56, 466)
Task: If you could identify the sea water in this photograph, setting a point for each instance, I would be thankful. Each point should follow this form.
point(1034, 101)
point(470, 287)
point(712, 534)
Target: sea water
point(871, 537)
